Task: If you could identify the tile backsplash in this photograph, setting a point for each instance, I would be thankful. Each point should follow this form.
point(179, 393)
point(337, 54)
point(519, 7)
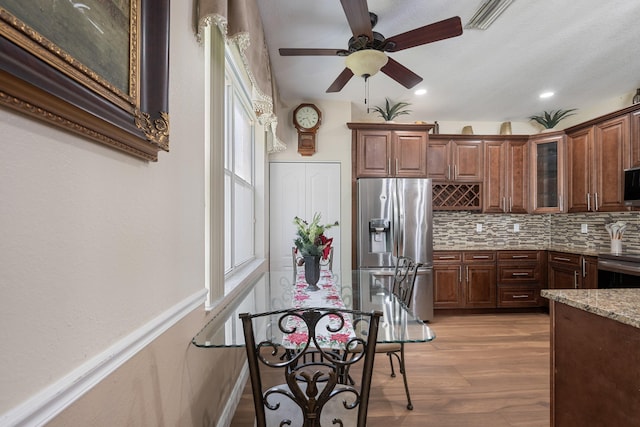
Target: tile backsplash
point(459, 230)
point(565, 230)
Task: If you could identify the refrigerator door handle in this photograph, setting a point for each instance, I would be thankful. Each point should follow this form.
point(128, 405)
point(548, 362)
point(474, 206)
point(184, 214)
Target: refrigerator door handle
point(395, 220)
point(399, 208)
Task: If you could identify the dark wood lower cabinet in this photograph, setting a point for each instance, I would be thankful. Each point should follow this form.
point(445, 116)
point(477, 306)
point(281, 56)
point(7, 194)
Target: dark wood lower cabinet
point(518, 296)
point(563, 277)
point(520, 278)
point(572, 271)
point(464, 279)
point(480, 285)
point(507, 278)
point(590, 271)
point(447, 286)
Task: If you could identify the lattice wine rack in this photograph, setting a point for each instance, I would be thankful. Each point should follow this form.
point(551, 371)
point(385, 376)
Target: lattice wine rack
point(457, 197)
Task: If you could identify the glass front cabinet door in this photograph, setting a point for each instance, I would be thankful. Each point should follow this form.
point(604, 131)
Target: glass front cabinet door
point(548, 182)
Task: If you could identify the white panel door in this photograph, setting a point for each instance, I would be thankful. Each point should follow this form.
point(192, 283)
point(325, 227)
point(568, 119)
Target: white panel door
point(323, 195)
point(301, 189)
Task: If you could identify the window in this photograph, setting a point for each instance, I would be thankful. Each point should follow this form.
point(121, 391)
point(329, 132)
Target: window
point(235, 154)
point(239, 189)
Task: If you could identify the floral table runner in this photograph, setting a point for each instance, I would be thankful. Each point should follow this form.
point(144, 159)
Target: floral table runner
point(328, 296)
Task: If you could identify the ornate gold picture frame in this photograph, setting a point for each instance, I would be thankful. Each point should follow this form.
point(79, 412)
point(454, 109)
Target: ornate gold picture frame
point(97, 68)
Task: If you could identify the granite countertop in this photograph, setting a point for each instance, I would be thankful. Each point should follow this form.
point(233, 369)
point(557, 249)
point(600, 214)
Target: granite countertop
point(622, 305)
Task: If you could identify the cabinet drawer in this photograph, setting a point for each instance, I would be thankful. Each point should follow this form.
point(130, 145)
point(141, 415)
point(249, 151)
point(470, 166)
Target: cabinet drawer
point(479, 256)
point(518, 296)
point(518, 256)
point(444, 257)
point(523, 273)
point(564, 258)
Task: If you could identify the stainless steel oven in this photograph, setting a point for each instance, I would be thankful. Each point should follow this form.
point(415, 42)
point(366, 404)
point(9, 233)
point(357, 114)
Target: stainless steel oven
point(619, 270)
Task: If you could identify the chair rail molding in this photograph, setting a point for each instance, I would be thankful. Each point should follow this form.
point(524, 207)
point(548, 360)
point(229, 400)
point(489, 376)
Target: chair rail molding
point(53, 399)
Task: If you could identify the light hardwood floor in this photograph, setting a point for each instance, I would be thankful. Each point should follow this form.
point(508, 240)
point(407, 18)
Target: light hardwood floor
point(481, 370)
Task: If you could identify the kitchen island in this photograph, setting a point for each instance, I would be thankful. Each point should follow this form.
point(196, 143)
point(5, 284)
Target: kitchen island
point(595, 357)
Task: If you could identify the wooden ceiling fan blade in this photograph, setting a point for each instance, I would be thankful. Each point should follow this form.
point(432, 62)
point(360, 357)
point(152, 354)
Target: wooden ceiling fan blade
point(441, 30)
point(357, 13)
point(342, 80)
point(401, 74)
point(308, 52)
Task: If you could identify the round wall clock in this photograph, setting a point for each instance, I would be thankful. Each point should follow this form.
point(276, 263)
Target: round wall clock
point(307, 119)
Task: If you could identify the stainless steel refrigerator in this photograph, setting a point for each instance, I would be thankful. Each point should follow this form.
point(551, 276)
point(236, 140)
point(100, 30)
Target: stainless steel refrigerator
point(395, 219)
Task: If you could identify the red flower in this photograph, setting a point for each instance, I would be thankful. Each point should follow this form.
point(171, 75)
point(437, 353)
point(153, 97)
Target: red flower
point(327, 245)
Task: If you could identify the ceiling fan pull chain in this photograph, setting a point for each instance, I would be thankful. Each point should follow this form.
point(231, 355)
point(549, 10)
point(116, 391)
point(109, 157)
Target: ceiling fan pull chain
point(366, 92)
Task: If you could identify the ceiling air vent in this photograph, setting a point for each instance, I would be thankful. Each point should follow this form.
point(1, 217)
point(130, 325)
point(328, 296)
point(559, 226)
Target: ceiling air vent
point(487, 13)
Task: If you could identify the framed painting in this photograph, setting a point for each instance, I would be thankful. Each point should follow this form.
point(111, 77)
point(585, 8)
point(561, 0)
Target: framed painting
point(99, 68)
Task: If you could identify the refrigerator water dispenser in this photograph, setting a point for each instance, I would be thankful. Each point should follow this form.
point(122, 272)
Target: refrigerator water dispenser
point(379, 235)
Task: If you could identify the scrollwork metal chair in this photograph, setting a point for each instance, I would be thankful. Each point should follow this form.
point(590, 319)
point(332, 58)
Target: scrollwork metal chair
point(404, 279)
point(292, 391)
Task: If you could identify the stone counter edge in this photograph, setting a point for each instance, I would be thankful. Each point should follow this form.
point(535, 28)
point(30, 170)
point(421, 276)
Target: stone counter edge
point(621, 305)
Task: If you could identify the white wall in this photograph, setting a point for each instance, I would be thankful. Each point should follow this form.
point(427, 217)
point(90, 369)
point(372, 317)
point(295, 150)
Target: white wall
point(95, 243)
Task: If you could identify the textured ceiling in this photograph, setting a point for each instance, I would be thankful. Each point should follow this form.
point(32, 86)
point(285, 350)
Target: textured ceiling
point(583, 50)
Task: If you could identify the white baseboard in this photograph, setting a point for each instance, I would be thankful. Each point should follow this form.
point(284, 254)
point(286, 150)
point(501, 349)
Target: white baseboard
point(232, 403)
point(49, 402)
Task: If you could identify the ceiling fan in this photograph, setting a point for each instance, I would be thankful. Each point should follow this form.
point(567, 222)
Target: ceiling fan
point(366, 55)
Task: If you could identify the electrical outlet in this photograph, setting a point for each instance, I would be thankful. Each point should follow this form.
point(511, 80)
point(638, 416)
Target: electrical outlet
point(478, 228)
point(516, 228)
point(584, 228)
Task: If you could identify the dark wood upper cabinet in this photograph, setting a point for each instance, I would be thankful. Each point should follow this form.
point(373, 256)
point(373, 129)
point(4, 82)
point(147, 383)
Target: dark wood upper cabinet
point(580, 169)
point(390, 150)
point(597, 157)
point(547, 153)
point(455, 158)
point(506, 177)
point(635, 139)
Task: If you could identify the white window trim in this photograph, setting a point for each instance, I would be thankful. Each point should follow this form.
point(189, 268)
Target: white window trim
point(215, 280)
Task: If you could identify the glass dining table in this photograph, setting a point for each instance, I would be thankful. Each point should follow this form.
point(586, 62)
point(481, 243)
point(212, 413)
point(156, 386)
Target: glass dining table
point(279, 290)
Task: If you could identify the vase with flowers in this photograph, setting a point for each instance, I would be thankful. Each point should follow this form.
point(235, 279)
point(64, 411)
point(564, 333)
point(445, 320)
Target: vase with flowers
point(313, 245)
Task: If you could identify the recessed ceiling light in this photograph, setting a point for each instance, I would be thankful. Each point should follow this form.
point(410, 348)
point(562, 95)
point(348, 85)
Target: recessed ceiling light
point(546, 94)
point(420, 91)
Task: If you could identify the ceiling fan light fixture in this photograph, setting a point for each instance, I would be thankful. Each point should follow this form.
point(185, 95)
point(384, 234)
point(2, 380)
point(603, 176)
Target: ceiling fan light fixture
point(488, 12)
point(367, 62)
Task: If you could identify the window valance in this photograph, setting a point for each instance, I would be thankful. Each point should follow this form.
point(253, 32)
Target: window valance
point(240, 22)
